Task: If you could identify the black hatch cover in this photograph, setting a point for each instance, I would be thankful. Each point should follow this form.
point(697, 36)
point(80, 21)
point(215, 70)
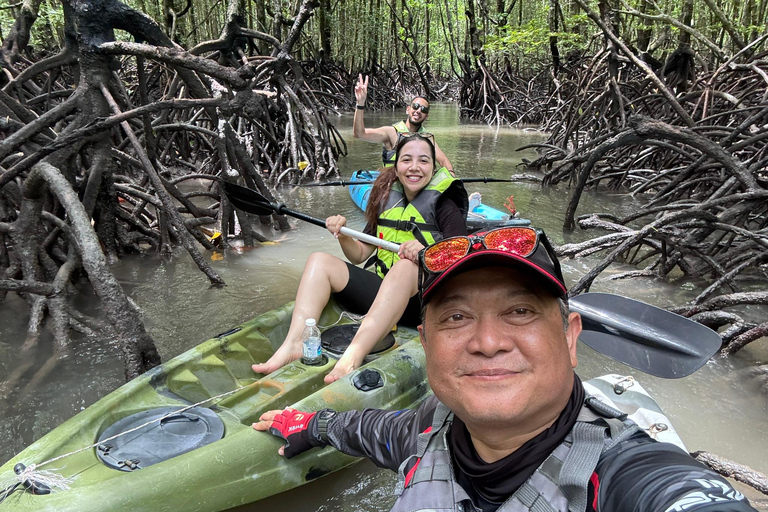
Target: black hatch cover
point(336, 339)
point(160, 440)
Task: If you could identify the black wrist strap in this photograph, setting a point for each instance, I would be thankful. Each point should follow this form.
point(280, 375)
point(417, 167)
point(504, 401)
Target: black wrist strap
point(360, 107)
point(323, 417)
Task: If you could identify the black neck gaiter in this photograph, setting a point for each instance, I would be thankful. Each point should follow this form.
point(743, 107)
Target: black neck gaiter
point(493, 483)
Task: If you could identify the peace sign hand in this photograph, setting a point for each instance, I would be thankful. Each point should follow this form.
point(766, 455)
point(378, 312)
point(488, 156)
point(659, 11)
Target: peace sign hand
point(361, 90)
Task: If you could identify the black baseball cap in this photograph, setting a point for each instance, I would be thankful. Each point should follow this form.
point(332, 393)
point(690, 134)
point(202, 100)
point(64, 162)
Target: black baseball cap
point(542, 262)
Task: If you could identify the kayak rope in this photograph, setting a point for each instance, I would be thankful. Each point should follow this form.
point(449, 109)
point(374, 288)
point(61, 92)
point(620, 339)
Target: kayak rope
point(352, 316)
point(42, 482)
point(32, 476)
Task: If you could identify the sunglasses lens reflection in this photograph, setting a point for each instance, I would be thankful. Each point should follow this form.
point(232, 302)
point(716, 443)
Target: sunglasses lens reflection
point(444, 254)
point(520, 241)
point(423, 108)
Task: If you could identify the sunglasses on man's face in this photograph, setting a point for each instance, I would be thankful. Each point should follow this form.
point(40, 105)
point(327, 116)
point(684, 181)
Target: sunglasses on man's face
point(520, 241)
point(424, 109)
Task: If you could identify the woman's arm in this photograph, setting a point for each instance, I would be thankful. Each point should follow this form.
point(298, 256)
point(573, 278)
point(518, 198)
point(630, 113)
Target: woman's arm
point(354, 250)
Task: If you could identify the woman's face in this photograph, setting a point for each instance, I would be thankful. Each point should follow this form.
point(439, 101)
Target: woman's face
point(415, 166)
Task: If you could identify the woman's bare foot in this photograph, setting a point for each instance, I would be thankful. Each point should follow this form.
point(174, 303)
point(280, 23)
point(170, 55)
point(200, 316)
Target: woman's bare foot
point(346, 365)
point(284, 355)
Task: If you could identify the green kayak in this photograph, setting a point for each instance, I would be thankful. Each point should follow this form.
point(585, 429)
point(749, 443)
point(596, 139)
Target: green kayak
point(223, 462)
point(144, 448)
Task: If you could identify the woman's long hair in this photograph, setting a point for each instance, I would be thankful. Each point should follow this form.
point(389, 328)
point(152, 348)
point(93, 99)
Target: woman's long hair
point(388, 175)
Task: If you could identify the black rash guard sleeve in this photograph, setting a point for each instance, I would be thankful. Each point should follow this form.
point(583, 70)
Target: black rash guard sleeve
point(660, 477)
point(387, 438)
point(449, 219)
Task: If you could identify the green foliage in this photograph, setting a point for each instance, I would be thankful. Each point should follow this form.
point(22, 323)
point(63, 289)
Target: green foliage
point(367, 29)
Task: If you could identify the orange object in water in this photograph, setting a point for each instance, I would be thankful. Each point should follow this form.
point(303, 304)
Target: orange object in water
point(510, 205)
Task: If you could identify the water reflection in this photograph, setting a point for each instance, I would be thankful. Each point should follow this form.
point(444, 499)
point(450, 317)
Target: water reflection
point(719, 409)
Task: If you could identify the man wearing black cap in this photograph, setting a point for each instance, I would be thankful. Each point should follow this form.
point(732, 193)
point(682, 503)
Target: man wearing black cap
point(509, 427)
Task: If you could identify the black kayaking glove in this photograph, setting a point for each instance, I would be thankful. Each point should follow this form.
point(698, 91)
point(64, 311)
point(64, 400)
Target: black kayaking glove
point(299, 429)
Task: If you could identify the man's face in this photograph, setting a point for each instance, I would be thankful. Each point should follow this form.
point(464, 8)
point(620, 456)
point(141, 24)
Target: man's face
point(415, 115)
point(496, 351)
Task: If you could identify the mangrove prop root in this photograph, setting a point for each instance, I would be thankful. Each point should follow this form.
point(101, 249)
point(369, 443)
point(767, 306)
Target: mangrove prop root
point(731, 469)
point(97, 143)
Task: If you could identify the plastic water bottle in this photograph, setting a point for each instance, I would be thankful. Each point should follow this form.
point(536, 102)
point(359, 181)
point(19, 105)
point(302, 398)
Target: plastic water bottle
point(312, 352)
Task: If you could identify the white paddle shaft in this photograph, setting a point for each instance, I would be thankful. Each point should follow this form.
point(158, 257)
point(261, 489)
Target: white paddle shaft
point(378, 242)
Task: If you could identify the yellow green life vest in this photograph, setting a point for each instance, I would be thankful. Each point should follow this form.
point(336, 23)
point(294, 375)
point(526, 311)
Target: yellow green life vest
point(400, 221)
point(388, 155)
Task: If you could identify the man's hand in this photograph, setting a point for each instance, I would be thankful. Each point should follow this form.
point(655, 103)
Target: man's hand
point(291, 425)
point(410, 250)
point(361, 90)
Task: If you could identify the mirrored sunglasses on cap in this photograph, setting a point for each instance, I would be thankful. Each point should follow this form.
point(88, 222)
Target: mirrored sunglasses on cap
point(417, 106)
point(520, 242)
point(438, 257)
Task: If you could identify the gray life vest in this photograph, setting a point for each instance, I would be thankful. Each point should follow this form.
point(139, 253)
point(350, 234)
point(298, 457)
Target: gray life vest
point(388, 155)
point(559, 484)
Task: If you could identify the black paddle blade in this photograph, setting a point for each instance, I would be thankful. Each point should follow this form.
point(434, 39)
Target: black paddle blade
point(336, 183)
point(248, 199)
point(644, 337)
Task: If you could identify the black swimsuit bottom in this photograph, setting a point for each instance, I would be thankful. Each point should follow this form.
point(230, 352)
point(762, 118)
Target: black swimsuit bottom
point(360, 292)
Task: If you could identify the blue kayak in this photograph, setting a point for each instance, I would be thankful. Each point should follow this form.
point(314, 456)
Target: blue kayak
point(480, 216)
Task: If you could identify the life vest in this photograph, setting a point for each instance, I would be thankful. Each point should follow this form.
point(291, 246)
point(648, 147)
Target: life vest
point(559, 484)
point(388, 155)
point(400, 221)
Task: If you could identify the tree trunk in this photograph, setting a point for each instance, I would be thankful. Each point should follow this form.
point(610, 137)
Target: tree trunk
point(324, 27)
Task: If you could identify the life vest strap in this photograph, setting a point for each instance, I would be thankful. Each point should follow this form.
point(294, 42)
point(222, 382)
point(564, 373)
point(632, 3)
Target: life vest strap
point(406, 225)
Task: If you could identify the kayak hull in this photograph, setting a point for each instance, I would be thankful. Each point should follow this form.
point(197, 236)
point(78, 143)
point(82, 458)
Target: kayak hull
point(244, 465)
point(627, 395)
point(481, 216)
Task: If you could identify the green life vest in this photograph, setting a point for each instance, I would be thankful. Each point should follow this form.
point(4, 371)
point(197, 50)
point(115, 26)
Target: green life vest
point(400, 221)
point(388, 155)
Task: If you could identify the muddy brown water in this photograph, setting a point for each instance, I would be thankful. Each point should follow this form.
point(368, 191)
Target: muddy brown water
point(721, 408)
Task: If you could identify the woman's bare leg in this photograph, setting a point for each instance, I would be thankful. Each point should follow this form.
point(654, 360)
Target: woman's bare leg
point(322, 275)
point(399, 285)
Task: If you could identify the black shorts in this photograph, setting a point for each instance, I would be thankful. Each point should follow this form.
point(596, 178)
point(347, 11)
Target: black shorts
point(360, 292)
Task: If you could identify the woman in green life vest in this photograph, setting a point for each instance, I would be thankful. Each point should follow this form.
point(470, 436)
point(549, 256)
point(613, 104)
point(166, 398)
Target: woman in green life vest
point(412, 203)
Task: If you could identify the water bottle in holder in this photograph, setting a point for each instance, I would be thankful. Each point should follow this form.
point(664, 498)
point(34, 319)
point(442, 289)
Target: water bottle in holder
point(312, 353)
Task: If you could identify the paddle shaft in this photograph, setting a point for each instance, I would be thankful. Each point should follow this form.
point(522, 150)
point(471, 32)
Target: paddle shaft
point(369, 182)
point(372, 240)
point(252, 202)
point(378, 242)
